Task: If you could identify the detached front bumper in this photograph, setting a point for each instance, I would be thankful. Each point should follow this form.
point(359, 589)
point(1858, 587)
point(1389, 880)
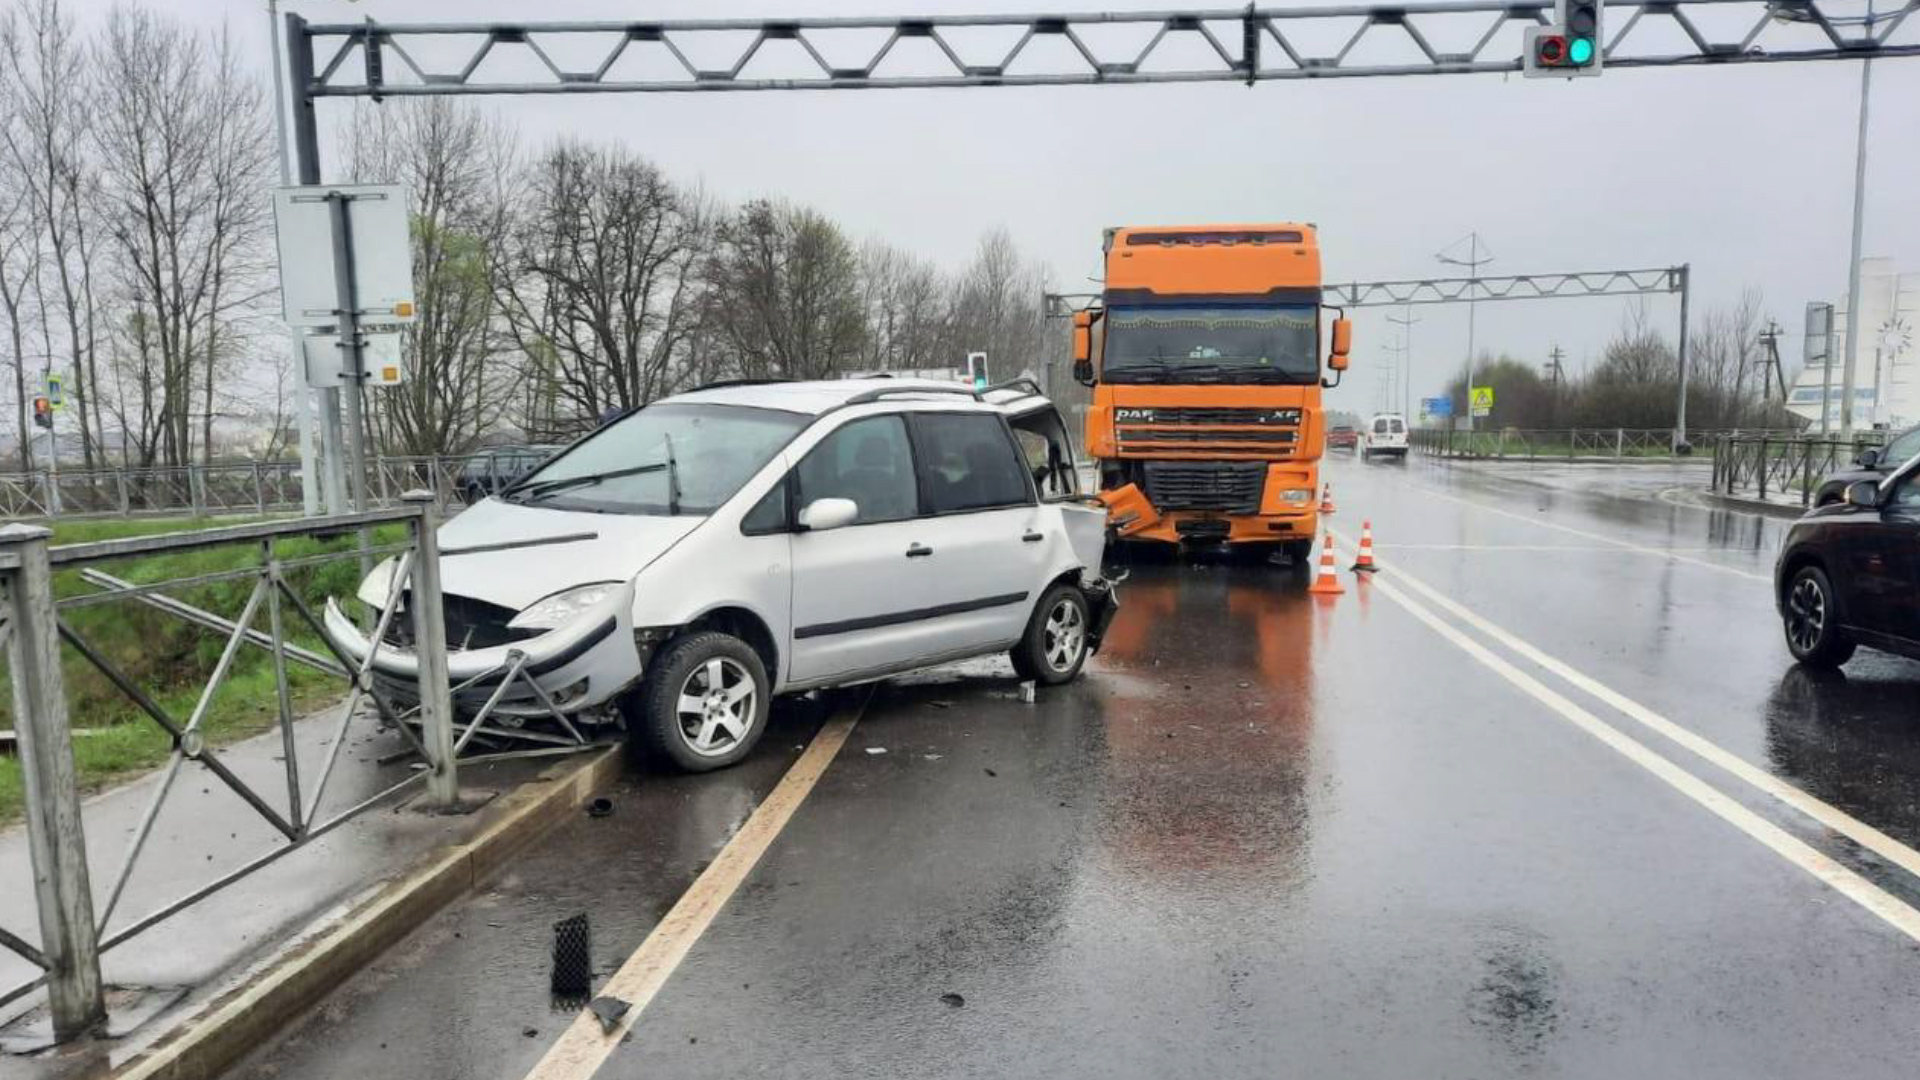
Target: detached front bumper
point(580, 665)
point(1103, 602)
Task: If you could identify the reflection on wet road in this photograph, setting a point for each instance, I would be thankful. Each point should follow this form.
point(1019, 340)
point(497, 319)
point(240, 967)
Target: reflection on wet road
point(1265, 836)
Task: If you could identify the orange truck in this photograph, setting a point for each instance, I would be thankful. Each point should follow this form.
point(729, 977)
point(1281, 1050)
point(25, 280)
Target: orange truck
point(1203, 353)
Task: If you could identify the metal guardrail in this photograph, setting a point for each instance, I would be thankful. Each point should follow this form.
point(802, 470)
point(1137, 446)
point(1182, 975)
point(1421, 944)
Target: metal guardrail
point(259, 487)
point(1783, 467)
point(1567, 444)
point(72, 933)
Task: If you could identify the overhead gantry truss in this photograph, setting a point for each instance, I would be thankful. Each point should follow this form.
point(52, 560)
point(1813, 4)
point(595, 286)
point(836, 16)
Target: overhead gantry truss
point(1249, 45)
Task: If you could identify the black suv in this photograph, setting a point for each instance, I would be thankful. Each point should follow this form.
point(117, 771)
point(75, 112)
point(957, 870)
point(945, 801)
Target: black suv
point(1849, 573)
point(1874, 463)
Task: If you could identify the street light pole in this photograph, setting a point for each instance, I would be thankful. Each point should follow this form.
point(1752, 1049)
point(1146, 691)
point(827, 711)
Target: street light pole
point(1853, 259)
point(1405, 323)
point(1472, 262)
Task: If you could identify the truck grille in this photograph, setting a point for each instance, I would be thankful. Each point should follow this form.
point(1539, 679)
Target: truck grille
point(1160, 435)
point(1285, 417)
point(1230, 486)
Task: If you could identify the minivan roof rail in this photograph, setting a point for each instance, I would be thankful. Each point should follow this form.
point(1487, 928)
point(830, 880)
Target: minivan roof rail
point(721, 384)
point(1031, 386)
point(878, 392)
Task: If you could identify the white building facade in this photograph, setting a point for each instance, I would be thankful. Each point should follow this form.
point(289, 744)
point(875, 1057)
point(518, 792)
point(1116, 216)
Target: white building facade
point(1886, 374)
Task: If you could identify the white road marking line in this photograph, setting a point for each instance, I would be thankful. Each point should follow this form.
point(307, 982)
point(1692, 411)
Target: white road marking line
point(1827, 815)
point(583, 1047)
point(1849, 884)
point(1669, 553)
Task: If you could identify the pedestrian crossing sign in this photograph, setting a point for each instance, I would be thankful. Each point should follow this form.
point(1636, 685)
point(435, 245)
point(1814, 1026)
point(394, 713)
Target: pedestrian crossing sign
point(1482, 398)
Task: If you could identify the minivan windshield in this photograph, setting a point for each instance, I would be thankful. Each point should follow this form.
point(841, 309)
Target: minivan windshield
point(663, 459)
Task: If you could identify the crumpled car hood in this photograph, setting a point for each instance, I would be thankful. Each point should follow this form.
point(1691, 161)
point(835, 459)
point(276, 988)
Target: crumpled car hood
point(625, 544)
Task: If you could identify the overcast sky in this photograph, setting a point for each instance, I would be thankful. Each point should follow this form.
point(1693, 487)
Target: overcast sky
point(1745, 172)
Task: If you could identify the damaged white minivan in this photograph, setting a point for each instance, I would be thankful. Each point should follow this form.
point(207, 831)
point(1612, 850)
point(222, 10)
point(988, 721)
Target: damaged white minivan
point(693, 560)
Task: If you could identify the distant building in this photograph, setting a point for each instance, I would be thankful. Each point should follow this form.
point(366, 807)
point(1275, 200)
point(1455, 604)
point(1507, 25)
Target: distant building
point(1886, 377)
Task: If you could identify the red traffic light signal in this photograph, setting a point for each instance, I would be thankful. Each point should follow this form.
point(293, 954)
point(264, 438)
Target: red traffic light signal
point(1550, 50)
point(42, 412)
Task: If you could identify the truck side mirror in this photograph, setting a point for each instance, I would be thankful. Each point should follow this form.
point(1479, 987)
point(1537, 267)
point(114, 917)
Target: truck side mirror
point(1342, 344)
point(1083, 347)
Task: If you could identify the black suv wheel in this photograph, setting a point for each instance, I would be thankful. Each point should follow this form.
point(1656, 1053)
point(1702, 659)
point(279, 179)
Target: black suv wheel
point(1812, 621)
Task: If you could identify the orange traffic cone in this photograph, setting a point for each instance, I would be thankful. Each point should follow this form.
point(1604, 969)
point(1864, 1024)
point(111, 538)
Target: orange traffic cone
point(1328, 583)
point(1364, 564)
point(1326, 500)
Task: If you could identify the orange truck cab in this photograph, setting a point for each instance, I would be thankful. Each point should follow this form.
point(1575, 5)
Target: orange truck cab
point(1204, 358)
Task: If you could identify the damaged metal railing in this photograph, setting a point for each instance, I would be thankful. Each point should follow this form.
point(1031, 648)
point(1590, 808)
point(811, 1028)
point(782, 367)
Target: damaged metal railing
point(72, 933)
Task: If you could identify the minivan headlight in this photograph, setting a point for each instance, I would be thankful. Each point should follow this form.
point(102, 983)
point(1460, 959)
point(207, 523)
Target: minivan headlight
point(561, 607)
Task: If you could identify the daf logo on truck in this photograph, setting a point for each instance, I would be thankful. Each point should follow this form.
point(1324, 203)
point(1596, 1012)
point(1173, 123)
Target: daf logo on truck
point(1204, 355)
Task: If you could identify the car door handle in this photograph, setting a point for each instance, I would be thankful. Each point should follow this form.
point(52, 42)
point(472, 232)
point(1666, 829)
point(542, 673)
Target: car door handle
point(915, 551)
point(1032, 538)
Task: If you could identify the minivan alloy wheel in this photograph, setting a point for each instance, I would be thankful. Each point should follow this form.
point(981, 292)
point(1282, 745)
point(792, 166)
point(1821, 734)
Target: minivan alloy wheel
point(1806, 614)
point(715, 709)
point(1066, 635)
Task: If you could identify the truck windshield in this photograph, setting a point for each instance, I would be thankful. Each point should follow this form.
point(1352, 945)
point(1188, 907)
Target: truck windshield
point(1212, 343)
point(663, 459)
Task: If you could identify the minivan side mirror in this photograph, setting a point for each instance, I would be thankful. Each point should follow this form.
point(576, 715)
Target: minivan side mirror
point(1864, 494)
point(828, 513)
point(1868, 458)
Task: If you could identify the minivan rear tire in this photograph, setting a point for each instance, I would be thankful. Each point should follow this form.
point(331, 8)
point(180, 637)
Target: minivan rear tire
point(1041, 655)
point(661, 731)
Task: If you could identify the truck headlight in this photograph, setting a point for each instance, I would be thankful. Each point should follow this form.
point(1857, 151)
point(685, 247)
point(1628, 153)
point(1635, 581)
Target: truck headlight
point(1296, 495)
point(561, 607)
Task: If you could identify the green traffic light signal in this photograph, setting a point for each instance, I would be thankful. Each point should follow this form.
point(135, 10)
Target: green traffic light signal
point(1580, 51)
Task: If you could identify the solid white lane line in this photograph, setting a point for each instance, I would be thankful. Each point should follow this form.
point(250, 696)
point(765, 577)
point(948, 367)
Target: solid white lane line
point(1647, 549)
point(1826, 814)
point(583, 1047)
point(1844, 881)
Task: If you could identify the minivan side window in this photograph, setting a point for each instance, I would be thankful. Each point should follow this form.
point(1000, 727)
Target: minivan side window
point(967, 463)
point(869, 461)
point(1049, 456)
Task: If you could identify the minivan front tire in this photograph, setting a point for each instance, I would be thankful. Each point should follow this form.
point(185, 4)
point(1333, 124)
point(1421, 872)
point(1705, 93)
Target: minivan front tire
point(702, 705)
point(1055, 645)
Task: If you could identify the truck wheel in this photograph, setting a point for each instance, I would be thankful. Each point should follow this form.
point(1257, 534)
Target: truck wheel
point(1299, 559)
point(1055, 644)
point(1812, 621)
point(702, 706)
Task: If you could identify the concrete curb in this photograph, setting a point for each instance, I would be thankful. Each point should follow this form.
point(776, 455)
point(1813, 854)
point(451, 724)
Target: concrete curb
point(247, 1016)
point(1753, 506)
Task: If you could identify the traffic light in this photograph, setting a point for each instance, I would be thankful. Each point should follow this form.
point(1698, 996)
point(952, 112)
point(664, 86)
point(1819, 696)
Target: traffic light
point(977, 370)
point(43, 413)
point(1567, 47)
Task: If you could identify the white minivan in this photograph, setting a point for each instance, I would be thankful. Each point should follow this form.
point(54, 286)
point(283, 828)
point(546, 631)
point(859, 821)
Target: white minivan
point(1385, 436)
point(677, 569)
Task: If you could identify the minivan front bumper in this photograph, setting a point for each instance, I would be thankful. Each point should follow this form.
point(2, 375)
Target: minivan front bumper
point(580, 665)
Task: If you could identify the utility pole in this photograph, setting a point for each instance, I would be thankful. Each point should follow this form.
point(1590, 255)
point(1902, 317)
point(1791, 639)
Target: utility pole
point(1556, 374)
point(1770, 358)
point(1405, 323)
point(1472, 262)
point(1853, 259)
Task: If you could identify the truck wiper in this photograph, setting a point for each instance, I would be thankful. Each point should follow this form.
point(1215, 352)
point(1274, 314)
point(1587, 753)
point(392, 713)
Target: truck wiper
point(550, 487)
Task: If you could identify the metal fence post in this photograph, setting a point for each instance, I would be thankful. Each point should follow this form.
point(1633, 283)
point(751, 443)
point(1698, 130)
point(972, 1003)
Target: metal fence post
point(1763, 466)
point(194, 498)
point(430, 645)
point(55, 840)
point(259, 489)
point(126, 500)
point(1619, 444)
point(433, 475)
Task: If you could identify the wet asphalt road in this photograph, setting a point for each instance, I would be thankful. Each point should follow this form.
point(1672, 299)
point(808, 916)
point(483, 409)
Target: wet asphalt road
point(1266, 836)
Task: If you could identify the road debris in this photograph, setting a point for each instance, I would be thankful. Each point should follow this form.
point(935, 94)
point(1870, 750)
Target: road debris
point(608, 1010)
point(600, 807)
point(952, 999)
point(572, 956)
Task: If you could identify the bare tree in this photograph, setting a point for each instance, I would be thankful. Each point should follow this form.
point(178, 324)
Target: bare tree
point(907, 308)
point(787, 298)
point(597, 283)
point(179, 127)
point(456, 163)
point(998, 310)
point(46, 68)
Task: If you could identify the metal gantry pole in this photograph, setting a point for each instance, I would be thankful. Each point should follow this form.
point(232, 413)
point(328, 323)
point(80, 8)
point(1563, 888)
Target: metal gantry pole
point(430, 646)
point(302, 394)
point(306, 158)
point(56, 842)
point(1680, 410)
point(353, 392)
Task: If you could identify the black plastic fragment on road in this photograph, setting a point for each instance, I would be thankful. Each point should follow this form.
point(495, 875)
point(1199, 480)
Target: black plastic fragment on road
point(953, 1000)
point(572, 956)
point(608, 1010)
